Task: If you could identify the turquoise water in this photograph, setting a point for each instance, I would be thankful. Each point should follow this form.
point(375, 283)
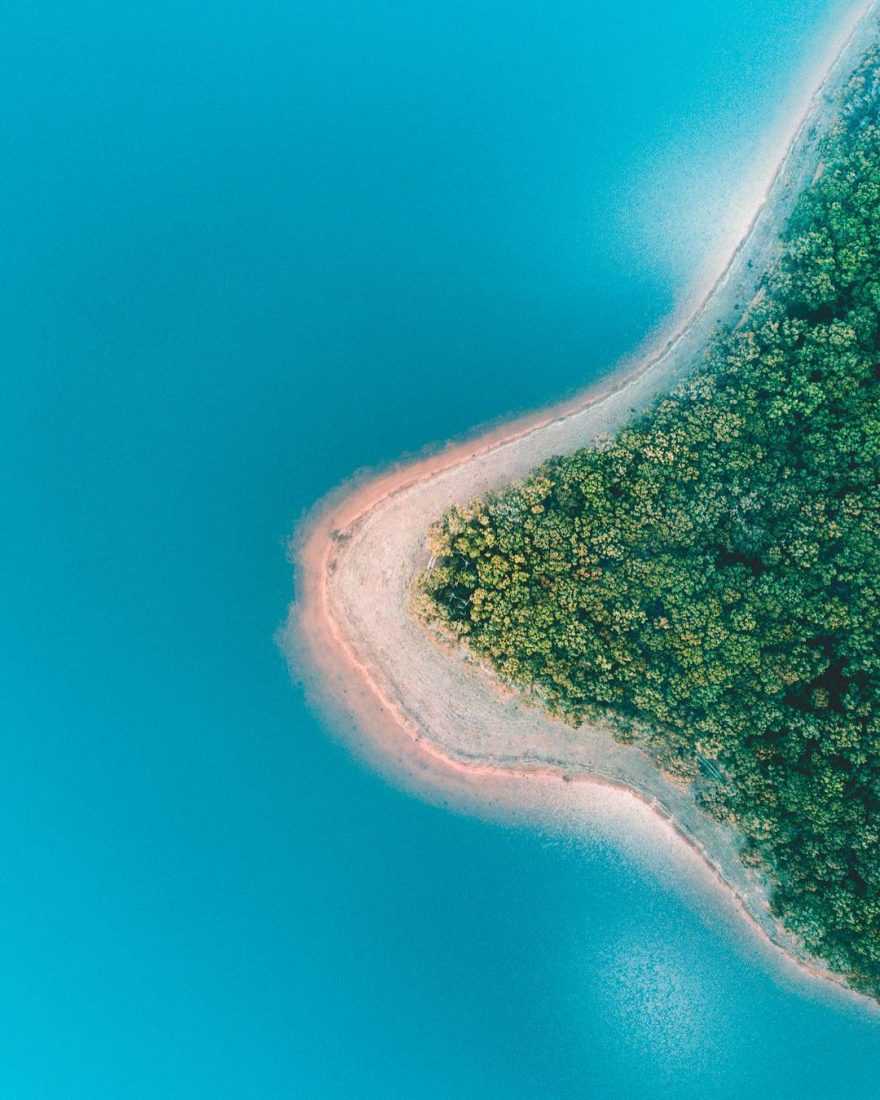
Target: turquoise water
point(248, 248)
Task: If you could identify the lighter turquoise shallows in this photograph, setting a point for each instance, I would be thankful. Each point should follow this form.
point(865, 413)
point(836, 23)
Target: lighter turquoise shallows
point(247, 249)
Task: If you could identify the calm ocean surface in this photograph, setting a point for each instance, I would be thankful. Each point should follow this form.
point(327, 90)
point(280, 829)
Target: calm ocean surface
point(248, 248)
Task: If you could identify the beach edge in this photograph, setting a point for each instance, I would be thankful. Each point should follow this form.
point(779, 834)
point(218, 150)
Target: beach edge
point(343, 673)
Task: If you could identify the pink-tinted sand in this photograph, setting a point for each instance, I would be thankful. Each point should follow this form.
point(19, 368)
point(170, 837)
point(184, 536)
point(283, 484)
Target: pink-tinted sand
point(443, 729)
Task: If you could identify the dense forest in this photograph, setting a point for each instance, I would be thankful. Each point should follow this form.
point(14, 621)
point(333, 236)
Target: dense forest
point(708, 581)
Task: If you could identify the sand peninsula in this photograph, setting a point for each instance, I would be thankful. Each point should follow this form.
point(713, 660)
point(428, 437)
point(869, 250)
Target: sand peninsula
point(434, 721)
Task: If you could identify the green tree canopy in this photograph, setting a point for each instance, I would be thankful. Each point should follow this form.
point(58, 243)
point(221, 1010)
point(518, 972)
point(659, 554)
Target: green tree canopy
point(709, 581)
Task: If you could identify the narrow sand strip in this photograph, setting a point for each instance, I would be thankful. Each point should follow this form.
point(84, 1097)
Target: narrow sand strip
point(439, 724)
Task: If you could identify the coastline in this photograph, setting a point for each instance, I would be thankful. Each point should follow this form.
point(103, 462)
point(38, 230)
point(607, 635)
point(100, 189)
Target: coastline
point(444, 727)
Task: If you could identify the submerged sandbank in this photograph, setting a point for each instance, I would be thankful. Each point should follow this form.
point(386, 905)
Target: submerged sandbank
point(439, 724)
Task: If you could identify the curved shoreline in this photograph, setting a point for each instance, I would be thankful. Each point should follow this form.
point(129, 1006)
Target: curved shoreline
point(443, 726)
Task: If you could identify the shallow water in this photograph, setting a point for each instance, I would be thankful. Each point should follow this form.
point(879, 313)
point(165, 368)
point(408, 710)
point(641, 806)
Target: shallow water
point(248, 249)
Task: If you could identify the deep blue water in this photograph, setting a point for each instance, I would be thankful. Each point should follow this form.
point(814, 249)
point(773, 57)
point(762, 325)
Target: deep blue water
point(248, 248)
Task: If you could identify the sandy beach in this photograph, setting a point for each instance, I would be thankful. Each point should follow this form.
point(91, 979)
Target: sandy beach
point(435, 722)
